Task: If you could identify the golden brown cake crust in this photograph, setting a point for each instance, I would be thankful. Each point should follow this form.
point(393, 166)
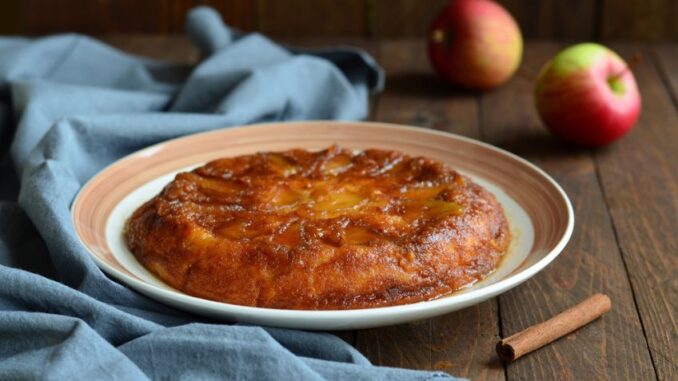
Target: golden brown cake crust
point(333, 229)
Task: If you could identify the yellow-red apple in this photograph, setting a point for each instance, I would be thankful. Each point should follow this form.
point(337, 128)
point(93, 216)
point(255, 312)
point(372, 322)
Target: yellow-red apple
point(587, 95)
point(475, 44)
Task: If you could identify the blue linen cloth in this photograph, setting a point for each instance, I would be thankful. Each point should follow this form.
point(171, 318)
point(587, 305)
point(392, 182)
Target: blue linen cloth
point(69, 106)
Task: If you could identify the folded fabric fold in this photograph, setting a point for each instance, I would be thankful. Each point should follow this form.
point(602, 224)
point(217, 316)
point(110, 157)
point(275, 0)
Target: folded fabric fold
point(69, 106)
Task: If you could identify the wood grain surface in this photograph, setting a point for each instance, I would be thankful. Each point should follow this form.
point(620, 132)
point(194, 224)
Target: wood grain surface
point(646, 20)
point(607, 349)
point(555, 18)
point(639, 176)
point(402, 18)
point(312, 19)
point(624, 245)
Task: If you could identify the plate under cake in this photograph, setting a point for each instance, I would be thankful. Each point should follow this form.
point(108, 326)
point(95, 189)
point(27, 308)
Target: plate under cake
point(320, 230)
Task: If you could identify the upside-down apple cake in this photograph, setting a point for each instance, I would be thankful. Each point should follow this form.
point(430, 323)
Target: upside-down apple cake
point(320, 230)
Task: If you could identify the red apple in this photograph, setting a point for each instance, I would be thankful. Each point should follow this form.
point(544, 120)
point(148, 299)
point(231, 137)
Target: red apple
point(475, 44)
point(587, 95)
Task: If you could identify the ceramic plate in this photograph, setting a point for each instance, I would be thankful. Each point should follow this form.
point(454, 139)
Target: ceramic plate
point(539, 212)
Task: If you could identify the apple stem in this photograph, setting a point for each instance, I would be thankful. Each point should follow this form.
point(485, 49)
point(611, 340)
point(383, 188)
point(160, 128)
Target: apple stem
point(633, 62)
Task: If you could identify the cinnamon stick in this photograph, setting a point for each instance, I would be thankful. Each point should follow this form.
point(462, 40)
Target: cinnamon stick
point(558, 326)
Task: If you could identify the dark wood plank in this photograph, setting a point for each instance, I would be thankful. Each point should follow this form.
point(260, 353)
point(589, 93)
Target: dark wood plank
point(648, 20)
point(348, 336)
point(639, 175)
point(125, 16)
point(537, 19)
point(580, 19)
point(414, 95)
point(613, 347)
point(666, 57)
point(554, 18)
point(10, 20)
point(241, 14)
point(302, 18)
point(402, 18)
point(328, 41)
point(177, 49)
point(460, 343)
point(50, 16)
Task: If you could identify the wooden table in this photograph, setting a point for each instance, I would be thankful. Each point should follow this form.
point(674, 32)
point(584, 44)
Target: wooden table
point(625, 198)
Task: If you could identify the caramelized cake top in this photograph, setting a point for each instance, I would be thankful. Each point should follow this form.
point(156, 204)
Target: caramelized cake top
point(330, 229)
